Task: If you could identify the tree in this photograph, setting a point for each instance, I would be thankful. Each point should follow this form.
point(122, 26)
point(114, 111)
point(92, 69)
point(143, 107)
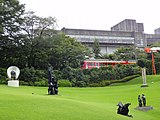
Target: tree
point(35, 26)
point(35, 45)
point(129, 53)
point(66, 51)
point(11, 12)
point(141, 63)
point(10, 20)
point(96, 49)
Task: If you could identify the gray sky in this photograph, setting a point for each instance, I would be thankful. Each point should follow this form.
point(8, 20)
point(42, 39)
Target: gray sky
point(97, 14)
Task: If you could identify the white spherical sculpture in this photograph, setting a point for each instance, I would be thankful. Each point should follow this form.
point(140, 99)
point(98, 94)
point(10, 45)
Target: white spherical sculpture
point(13, 73)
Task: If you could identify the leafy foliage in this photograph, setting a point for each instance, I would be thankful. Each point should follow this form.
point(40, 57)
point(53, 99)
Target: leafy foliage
point(96, 49)
point(3, 76)
point(31, 43)
point(66, 52)
point(127, 53)
point(11, 12)
point(10, 20)
point(64, 83)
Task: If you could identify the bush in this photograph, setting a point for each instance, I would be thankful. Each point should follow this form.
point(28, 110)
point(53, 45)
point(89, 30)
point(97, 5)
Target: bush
point(41, 83)
point(95, 85)
point(116, 81)
point(3, 76)
point(80, 84)
point(37, 83)
point(30, 83)
point(23, 83)
point(33, 77)
point(27, 75)
point(105, 82)
point(126, 79)
point(101, 84)
point(64, 83)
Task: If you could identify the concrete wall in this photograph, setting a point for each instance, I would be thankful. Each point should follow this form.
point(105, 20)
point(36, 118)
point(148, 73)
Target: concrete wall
point(128, 25)
point(127, 32)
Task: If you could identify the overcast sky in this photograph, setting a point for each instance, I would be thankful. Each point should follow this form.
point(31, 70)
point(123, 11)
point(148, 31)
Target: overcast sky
point(97, 14)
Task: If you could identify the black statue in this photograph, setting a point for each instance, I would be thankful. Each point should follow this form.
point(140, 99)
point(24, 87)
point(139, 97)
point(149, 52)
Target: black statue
point(50, 81)
point(53, 85)
point(139, 101)
point(56, 87)
point(123, 109)
point(119, 110)
point(13, 75)
point(51, 89)
point(144, 99)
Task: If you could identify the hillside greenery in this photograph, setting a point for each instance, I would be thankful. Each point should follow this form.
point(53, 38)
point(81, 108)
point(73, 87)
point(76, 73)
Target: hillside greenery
point(32, 103)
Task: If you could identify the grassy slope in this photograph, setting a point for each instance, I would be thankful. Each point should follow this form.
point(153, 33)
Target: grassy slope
point(79, 103)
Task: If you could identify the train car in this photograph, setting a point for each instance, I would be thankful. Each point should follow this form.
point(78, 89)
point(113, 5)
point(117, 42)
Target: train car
point(97, 63)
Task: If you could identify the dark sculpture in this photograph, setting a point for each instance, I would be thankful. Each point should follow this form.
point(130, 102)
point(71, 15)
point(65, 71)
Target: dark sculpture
point(123, 109)
point(50, 89)
point(13, 75)
point(56, 87)
point(119, 110)
point(144, 99)
point(139, 101)
point(53, 85)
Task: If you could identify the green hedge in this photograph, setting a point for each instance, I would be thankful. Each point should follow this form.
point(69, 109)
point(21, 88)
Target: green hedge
point(3, 76)
point(64, 83)
point(95, 85)
point(109, 82)
point(79, 78)
point(126, 79)
point(101, 84)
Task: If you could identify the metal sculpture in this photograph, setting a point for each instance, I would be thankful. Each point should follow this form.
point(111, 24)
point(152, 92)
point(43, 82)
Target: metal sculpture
point(53, 84)
point(123, 109)
point(13, 73)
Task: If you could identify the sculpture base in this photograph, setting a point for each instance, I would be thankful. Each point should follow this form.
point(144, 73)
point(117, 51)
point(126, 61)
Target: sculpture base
point(146, 108)
point(13, 83)
point(144, 85)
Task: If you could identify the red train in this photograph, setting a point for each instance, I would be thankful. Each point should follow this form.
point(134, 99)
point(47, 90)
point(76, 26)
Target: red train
point(97, 63)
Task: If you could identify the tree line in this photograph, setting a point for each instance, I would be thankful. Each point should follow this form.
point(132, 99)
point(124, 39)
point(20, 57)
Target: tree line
point(32, 42)
point(27, 40)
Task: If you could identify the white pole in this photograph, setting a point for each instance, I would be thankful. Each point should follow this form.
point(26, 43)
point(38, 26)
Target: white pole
point(144, 78)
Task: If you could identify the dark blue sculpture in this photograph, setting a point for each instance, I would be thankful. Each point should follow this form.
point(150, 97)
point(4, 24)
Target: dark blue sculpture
point(13, 75)
point(53, 85)
point(139, 101)
point(123, 109)
point(144, 99)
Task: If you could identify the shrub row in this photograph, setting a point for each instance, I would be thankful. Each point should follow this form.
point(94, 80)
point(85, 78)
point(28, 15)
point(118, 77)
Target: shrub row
point(3, 76)
point(75, 77)
point(126, 79)
point(64, 83)
point(109, 82)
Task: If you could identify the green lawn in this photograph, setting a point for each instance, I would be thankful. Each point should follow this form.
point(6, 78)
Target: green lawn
point(33, 103)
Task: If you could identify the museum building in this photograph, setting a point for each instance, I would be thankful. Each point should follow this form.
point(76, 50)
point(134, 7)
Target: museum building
point(126, 33)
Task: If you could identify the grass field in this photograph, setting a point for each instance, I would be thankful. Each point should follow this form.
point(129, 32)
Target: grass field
point(33, 103)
